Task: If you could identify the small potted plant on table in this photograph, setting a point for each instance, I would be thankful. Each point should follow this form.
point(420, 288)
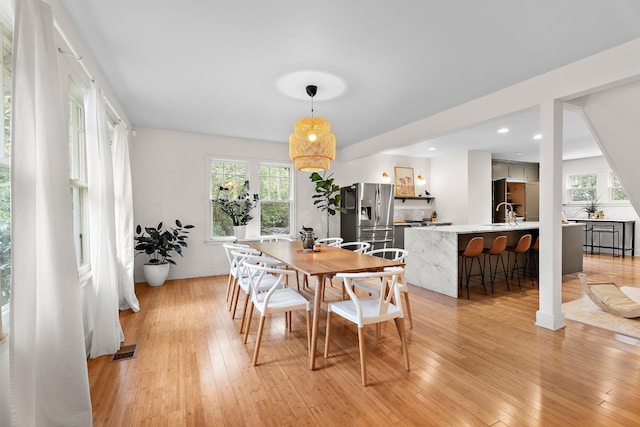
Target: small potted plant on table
point(591, 207)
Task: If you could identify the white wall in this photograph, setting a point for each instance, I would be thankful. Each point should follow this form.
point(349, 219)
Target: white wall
point(462, 184)
point(480, 188)
point(450, 186)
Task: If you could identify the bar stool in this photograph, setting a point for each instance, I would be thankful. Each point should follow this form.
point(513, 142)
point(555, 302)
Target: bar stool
point(534, 251)
point(598, 230)
point(521, 248)
point(498, 246)
point(471, 252)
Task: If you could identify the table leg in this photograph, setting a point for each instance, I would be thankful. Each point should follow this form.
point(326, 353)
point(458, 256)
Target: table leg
point(316, 320)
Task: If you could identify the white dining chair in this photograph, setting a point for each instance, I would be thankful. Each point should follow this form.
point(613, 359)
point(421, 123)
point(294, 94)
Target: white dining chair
point(243, 282)
point(358, 247)
point(395, 254)
point(369, 310)
point(330, 241)
point(277, 299)
point(233, 268)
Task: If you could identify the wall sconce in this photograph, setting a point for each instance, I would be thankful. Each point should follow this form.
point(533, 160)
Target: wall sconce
point(385, 177)
point(421, 180)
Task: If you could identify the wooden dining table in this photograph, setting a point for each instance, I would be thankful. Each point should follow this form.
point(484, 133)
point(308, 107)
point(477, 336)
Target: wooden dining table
point(328, 261)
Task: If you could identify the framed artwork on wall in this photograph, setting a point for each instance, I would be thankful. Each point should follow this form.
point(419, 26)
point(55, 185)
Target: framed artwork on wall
point(405, 186)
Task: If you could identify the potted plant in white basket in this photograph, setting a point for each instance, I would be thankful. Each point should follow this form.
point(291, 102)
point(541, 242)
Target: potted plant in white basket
point(239, 209)
point(158, 245)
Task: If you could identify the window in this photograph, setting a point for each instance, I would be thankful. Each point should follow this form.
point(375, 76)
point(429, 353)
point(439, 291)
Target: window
point(616, 193)
point(275, 199)
point(271, 181)
point(231, 175)
point(582, 187)
point(78, 174)
point(6, 43)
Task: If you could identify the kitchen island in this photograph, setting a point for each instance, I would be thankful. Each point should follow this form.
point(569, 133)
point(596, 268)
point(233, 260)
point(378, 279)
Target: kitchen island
point(433, 260)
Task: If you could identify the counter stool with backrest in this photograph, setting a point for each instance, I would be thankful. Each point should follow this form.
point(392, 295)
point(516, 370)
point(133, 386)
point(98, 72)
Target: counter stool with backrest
point(496, 250)
point(471, 253)
point(521, 248)
point(534, 250)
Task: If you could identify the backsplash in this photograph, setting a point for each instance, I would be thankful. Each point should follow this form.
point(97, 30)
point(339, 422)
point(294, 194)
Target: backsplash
point(411, 213)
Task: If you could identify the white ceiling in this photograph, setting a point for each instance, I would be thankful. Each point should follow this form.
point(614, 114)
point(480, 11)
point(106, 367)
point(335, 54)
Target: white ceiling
point(215, 66)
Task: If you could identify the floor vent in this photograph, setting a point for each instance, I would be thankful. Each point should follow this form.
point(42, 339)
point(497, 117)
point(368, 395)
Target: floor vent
point(126, 352)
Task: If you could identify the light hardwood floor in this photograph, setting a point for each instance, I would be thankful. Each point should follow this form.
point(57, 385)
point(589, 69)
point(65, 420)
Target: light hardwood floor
point(473, 362)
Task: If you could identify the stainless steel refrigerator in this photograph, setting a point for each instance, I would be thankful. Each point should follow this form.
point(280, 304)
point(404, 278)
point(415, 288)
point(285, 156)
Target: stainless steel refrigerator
point(369, 216)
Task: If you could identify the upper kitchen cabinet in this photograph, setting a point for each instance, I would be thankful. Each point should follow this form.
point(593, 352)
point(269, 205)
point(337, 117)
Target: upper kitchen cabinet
point(517, 184)
point(523, 171)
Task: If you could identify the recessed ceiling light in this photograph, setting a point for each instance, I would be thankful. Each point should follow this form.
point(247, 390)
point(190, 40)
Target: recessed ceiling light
point(537, 136)
point(431, 148)
point(503, 130)
point(519, 153)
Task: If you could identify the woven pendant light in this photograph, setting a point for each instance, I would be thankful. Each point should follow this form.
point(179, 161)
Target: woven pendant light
point(312, 146)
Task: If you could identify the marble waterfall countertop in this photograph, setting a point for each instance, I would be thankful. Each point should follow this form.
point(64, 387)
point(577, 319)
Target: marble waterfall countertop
point(432, 262)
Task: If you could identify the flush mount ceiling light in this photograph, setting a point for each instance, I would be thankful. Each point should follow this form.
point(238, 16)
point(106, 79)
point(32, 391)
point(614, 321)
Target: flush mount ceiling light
point(312, 146)
point(503, 130)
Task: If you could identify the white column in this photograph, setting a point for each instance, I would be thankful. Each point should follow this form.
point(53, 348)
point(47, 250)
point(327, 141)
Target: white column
point(550, 314)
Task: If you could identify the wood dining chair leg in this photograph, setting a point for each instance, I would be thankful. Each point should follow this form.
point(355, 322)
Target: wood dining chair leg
point(234, 284)
point(258, 340)
point(244, 313)
point(327, 338)
point(229, 281)
point(403, 339)
point(235, 304)
point(406, 301)
point(363, 366)
point(309, 332)
point(246, 331)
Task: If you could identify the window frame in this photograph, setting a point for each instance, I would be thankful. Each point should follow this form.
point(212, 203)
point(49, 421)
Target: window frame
point(210, 161)
point(78, 176)
point(569, 188)
point(612, 189)
point(253, 175)
point(289, 201)
point(6, 70)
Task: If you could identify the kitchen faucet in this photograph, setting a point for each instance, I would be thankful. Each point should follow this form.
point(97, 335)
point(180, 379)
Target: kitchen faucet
point(510, 214)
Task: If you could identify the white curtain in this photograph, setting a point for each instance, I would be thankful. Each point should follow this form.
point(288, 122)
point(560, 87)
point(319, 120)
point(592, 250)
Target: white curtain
point(49, 381)
point(124, 218)
point(106, 330)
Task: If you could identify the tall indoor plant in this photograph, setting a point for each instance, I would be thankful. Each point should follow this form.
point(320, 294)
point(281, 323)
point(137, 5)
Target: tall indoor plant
point(239, 209)
point(158, 244)
point(327, 197)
